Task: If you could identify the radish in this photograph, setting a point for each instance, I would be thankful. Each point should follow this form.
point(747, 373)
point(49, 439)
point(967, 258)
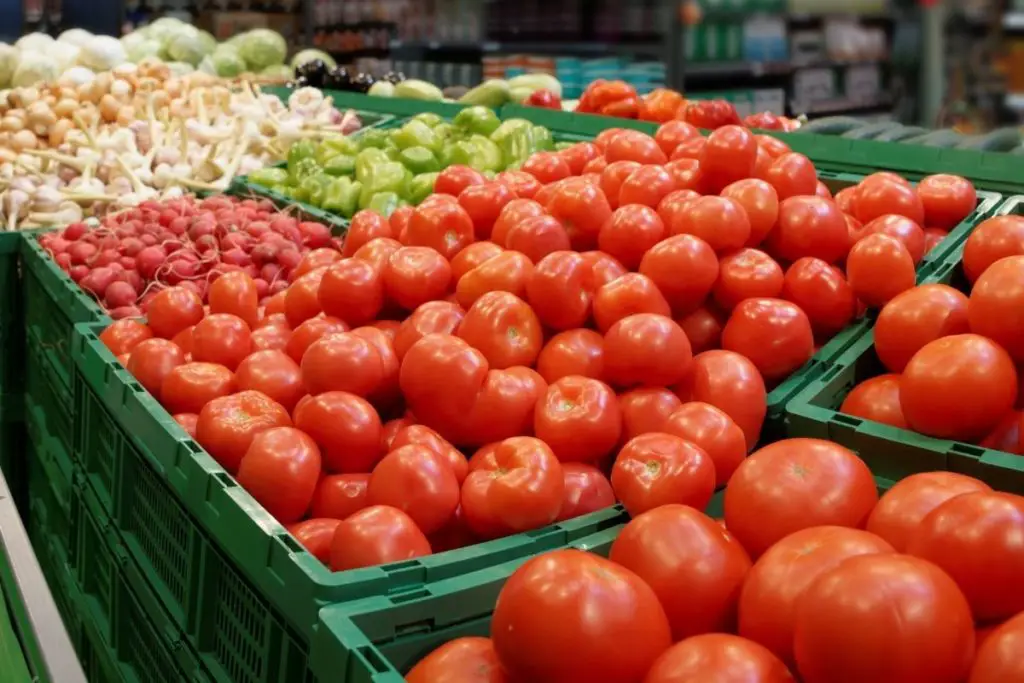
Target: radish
point(119, 294)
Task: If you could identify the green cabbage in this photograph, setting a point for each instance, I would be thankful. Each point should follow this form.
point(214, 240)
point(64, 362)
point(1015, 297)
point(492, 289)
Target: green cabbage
point(309, 55)
point(180, 68)
point(277, 71)
point(163, 28)
point(208, 41)
point(185, 47)
point(227, 63)
point(261, 48)
point(140, 49)
point(8, 64)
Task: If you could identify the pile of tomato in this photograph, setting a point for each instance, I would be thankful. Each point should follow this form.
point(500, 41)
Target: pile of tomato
point(809, 576)
point(953, 358)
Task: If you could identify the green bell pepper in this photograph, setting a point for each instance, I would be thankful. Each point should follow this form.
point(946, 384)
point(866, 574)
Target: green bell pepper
point(303, 168)
point(542, 139)
point(428, 118)
point(559, 146)
point(421, 187)
point(389, 176)
point(383, 203)
point(373, 137)
point(479, 119)
point(342, 196)
point(462, 153)
point(446, 131)
point(342, 145)
point(419, 160)
point(341, 164)
point(367, 160)
point(268, 177)
point(489, 153)
point(282, 190)
point(303, 149)
point(315, 187)
point(415, 133)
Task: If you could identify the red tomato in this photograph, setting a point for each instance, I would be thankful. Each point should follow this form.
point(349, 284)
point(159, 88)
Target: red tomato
point(958, 387)
point(538, 236)
point(432, 317)
point(933, 237)
point(1000, 656)
point(227, 425)
point(722, 656)
point(684, 268)
point(647, 186)
point(605, 136)
point(731, 383)
point(547, 167)
point(975, 538)
point(595, 166)
point(352, 290)
point(280, 470)
point(509, 272)
point(377, 251)
point(903, 229)
point(631, 231)
point(316, 535)
point(345, 427)
point(454, 179)
point(472, 256)
point(416, 275)
point(714, 432)
point(365, 226)
point(579, 155)
point(272, 373)
point(463, 660)
point(523, 492)
point(310, 331)
point(809, 226)
point(690, 149)
point(483, 204)
point(994, 309)
point(504, 328)
point(659, 469)
point(761, 203)
point(601, 269)
point(719, 221)
point(586, 490)
point(729, 155)
point(674, 204)
point(317, 258)
point(602, 612)
point(947, 200)
point(916, 317)
point(612, 178)
point(221, 338)
point(428, 438)
point(876, 399)
point(746, 274)
point(772, 591)
point(522, 184)
point(646, 349)
point(152, 360)
point(445, 227)
point(672, 133)
point(774, 334)
point(343, 361)
point(632, 145)
point(792, 175)
point(1006, 435)
point(992, 240)
point(879, 267)
point(189, 387)
point(415, 480)
point(694, 568)
point(928, 633)
point(376, 535)
point(573, 352)
point(121, 336)
point(881, 196)
point(773, 146)
point(172, 310)
point(579, 419)
point(511, 215)
point(235, 293)
point(300, 301)
point(583, 208)
point(339, 495)
point(703, 328)
point(630, 294)
point(646, 410)
point(267, 338)
point(805, 482)
point(188, 422)
point(822, 292)
point(710, 114)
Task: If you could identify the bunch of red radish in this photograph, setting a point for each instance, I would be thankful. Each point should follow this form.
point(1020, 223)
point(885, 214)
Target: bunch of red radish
point(131, 255)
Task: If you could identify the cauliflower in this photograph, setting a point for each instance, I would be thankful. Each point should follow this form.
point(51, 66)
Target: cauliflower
point(8, 63)
point(34, 68)
point(34, 42)
point(75, 36)
point(102, 53)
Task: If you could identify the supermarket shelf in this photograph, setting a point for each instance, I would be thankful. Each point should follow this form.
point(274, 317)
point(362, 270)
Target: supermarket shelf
point(1013, 21)
point(758, 69)
point(1015, 100)
point(840, 105)
point(583, 49)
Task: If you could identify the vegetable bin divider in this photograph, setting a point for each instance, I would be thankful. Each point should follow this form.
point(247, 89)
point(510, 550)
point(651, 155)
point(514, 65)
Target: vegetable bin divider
point(891, 452)
point(11, 322)
point(242, 590)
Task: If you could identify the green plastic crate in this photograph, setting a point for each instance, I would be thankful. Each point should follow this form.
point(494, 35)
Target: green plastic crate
point(242, 589)
point(393, 106)
point(45, 389)
point(50, 472)
point(588, 125)
point(11, 323)
point(12, 449)
point(891, 452)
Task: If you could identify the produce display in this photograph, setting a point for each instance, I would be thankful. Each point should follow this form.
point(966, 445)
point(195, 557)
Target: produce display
point(999, 140)
point(385, 169)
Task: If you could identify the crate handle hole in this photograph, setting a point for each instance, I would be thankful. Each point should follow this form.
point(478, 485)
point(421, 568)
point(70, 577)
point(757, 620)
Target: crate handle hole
point(968, 450)
point(373, 658)
point(225, 479)
point(847, 420)
point(409, 596)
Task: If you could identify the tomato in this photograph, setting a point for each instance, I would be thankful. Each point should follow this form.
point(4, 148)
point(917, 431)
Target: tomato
point(415, 480)
point(595, 166)
point(1006, 435)
point(352, 290)
point(884, 618)
point(432, 317)
point(189, 387)
point(603, 613)
point(152, 360)
point(345, 427)
point(317, 258)
point(647, 186)
point(774, 334)
point(722, 657)
point(483, 203)
point(454, 179)
point(399, 221)
point(746, 274)
point(805, 482)
point(690, 149)
point(1000, 656)
point(315, 535)
point(280, 470)
point(714, 432)
point(538, 236)
point(792, 175)
point(172, 310)
point(339, 495)
point(579, 155)
point(719, 221)
point(773, 146)
point(975, 538)
point(646, 349)
point(809, 226)
point(760, 201)
point(684, 268)
point(879, 197)
point(916, 317)
point(343, 362)
point(511, 215)
point(646, 410)
point(822, 292)
point(694, 568)
point(188, 422)
point(121, 336)
point(583, 208)
point(703, 327)
point(445, 227)
point(630, 294)
point(504, 328)
point(586, 490)
point(376, 535)
point(958, 387)
point(994, 307)
point(601, 268)
point(672, 133)
point(661, 104)
point(425, 436)
point(674, 204)
point(729, 155)
point(710, 114)
point(473, 256)
point(573, 352)
point(992, 240)
point(227, 425)
point(221, 338)
point(630, 232)
point(772, 591)
point(300, 301)
point(522, 184)
point(878, 268)
point(658, 469)
point(365, 225)
point(903, 229)
point(416, 275)
point(579, 418)
point(266, 338)
point(612, 178)
point(876, 399)
point(947, 200)
point(235, 293)
point(309, 332)
point(274, 374)
point(523, 492)
point(463, 660)
point(508, 272)
point(632, 145)
point(605, 136)
point(546, 167)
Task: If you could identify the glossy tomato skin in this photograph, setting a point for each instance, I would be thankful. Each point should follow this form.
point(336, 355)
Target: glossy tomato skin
point(603, 612)
point(876, 399)
point(656, 469)
point(902, 228)
point(172, 310)
point(729, 155)
point(975, 538)
point(684, 268)
point(625, 296)
point(768, 601)
point(929, 635)
point(346, 428)
point(703, 327)
point(994, 308)
point(630, 232)
point(792, 175)
point(227, 425)
point(879, 267)
point(310, 331)
point(465, 369)
point(573, 352)
point(483, 204)
point(1000, 656)
point(746, 274)
point(509, 272)
point(724, 656)
point(342, 361)
point(806, 482)
point(809, 226)
point(822, 292)
point(504, 328)
point(646, 186)
point(280, 470)
point(221, 338)
point(273, 373)
point(582, 207)
point(416, 275)
point(538, 236)
point(916, 317)
point(579, 418)
point(365, 226)
point(472, 256)
point(425, 436)
point(188, 422)
point(958, 387)
point(646, 409)
point(376, 535)
point(587, 490)
point(646, 349)
point(524, 493)
point(418, 482)
point(672, 133)
point(760, 201)
point(557, 290)
point(339, 495)
point(880, 195)
point(189, 387)
point(774, 334)
point(235, 293)
point(352, 290)
point(121, 336)
point(464, 660)
point(731, 383)
point(152, 360)
point(720, 221)
point(992, 240)
point(432, 317)
point(714, 432)
point(300, 300)
point(694, 567)
point(947, 200)
point(316, 535)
